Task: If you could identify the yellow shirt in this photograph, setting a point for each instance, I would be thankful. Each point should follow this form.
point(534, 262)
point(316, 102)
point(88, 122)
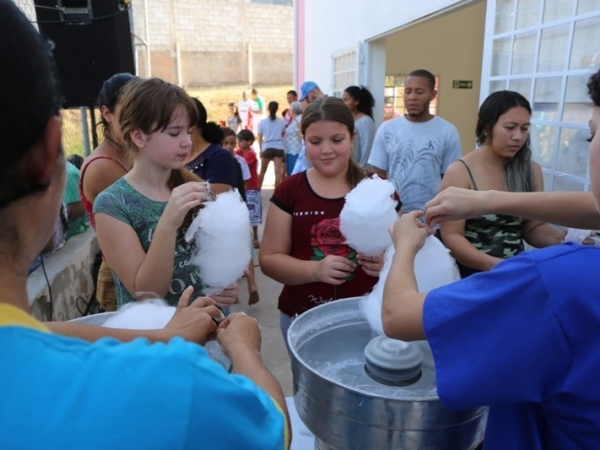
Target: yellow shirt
point(12, 316)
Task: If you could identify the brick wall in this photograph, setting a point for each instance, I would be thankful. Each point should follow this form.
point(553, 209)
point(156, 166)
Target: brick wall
point(213, 38)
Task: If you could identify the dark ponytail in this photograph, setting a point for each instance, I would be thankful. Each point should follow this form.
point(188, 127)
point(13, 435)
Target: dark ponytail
point(273, 107)
point(363, 96)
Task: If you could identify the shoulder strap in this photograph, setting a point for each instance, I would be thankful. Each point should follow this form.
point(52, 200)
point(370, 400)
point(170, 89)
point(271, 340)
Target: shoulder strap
point(470, 174)
point(102, 157)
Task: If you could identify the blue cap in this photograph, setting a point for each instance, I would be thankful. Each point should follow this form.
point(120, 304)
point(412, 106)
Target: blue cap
point(307, 86)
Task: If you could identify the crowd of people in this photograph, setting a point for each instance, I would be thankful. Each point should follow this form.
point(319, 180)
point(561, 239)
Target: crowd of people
point(529, 317)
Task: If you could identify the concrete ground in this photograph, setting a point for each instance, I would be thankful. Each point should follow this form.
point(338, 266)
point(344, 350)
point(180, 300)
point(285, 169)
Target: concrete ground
point(273, 351)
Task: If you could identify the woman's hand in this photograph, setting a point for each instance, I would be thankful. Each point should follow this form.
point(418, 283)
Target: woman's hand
point(455, 203)
point(227, 297)
point(192, 322)
point(182, 199)
point(372, 265)
point(334, 269)
point(238, 334)
point(408, 232)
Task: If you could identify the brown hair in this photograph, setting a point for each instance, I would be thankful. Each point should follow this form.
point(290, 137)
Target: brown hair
point(335, 110)
point(149, 104)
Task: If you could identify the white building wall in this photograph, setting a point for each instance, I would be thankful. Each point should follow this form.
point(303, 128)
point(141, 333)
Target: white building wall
point(348, 22)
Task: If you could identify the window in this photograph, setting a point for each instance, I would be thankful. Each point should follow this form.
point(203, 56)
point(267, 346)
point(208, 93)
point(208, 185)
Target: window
point(393, 97)
point(345, 70)
point(546, 50)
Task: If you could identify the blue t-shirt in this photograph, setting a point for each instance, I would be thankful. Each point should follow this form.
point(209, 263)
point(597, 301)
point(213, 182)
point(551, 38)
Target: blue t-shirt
point(272, 131)
point(215, 165)
point(64, 393)
point(524, 338)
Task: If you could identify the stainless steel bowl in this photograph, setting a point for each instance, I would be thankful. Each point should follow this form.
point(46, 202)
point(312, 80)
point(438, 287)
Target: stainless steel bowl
point(212, 347)
point(346, 409)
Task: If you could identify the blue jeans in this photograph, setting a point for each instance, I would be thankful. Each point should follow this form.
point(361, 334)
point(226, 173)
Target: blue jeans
point(290, 162)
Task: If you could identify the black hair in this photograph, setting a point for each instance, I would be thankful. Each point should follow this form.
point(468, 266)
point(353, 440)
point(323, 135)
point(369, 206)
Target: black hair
point(273, 107)
point(293, 92)
point(76, 160)
point(210, 131)
point(334, 109)
point(424, 74)
point(227, 132)
point(30, 95)
point(254, 91)
point(110, 93)
point(517, 169)
point(593, 86)
point(236, 113)
point(363, 96)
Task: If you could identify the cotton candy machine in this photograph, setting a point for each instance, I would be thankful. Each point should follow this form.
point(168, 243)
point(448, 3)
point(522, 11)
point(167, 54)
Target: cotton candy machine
point(387, 400)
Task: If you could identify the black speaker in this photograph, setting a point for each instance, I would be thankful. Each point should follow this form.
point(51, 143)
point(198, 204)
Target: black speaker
point(92, 40)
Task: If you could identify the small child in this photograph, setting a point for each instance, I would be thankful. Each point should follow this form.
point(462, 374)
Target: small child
point(243, 174)
point(229, 144)
point(234, 121)
point(245, 141)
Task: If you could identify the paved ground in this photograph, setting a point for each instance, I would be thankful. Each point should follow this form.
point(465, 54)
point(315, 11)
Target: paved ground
point(273, 348)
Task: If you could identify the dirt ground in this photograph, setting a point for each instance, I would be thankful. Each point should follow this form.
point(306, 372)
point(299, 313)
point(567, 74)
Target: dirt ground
point(216, 100)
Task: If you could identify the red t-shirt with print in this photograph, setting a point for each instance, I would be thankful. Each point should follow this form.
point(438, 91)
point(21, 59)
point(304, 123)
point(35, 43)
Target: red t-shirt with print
point(252, 160)
point(316, 234)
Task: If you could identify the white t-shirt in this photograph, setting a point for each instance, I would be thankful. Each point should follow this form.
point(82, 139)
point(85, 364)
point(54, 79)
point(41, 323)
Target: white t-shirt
point(244, 167)
point(243, 109)
point(272, 132)
point(415, 156)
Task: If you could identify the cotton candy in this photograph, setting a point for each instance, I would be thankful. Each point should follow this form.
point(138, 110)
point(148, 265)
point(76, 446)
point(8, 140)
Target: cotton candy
point(434, 267)
point(142, 315)
point(153, 315)
point(221, 232)
point(367, 214)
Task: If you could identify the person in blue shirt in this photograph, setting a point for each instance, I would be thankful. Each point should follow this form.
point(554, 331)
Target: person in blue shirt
point(54, 388)
point(524, 337)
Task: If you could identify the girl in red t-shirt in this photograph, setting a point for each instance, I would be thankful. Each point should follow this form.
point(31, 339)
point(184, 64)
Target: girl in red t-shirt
point(302, 245)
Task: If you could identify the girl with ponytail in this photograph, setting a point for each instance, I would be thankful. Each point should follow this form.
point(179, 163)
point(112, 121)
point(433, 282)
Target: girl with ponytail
point(142, 217)
point(270, 142)
point(302, 245)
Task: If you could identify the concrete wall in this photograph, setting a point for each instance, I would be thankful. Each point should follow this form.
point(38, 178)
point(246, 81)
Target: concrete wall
point(333, 25)
point(213, 38)
point(458, 56)
point(69, 271)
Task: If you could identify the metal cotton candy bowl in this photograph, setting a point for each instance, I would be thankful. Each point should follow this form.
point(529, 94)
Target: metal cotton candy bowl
point(347, 409)
point(214, 350)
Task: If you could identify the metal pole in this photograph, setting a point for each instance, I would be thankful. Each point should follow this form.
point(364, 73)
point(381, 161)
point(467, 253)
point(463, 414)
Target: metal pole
point(147, 29)
point(178, 56)
point(94, 127)
point(250, 78)
point(85, 131)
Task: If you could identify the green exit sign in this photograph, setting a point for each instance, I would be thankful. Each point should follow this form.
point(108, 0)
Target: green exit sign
point(462, 84)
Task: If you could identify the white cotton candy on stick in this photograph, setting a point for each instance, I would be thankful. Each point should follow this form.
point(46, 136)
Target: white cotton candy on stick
point(367, 214)
point(221, 231)
point(142, 315)
point(434, 267)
